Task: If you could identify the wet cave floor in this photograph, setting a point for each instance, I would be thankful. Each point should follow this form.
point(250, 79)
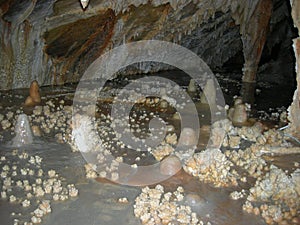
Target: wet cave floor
point(101, 201)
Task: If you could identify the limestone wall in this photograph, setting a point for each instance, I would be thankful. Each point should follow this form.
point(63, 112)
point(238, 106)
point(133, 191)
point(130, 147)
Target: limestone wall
point(54, 41)
point(294, 110)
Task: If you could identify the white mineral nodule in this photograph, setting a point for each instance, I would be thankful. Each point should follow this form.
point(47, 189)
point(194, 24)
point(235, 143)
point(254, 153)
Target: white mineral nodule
point(163, 104)
point(188, 137)
point(239, 114)
point(23, 132)
point(194, 201)
point(209, 93)
point(84, 135)
point(192, 86)
point(36, 131)
point(176, 116)
point(238, 101)
point(170, 165)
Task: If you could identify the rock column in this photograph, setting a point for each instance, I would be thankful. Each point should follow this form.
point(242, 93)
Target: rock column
point(254, 34)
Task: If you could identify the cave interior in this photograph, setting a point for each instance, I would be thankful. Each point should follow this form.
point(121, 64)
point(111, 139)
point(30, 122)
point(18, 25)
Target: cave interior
point(89, 85)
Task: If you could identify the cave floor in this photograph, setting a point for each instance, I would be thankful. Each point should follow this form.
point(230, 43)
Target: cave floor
point(98, 201)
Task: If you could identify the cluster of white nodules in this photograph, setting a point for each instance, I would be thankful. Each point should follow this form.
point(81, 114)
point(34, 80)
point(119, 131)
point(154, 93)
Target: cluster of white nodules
point(212, 166)
point(275, 195)
point(96, 135)
point(155, 206)
point(25, 182)
point(50, 119)
point(53, 119)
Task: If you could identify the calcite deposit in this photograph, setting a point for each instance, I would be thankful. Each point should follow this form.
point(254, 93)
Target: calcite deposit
point(154, 206)
point(238, 114)
point(188, 137)
point(84, 134)
point(275, 197)
point(170, 165)
point(240, 161)
point(31, 189)
point(275, 193)
point(212, 166)
point(23, 132)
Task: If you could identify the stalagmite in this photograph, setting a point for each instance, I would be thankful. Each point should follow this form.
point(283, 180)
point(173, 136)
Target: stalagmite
point(23, 132)
point(209, 94)
point(188, 137)
point(192, 86)
point(34, 97)
point(170, 165)
point(238, 113)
